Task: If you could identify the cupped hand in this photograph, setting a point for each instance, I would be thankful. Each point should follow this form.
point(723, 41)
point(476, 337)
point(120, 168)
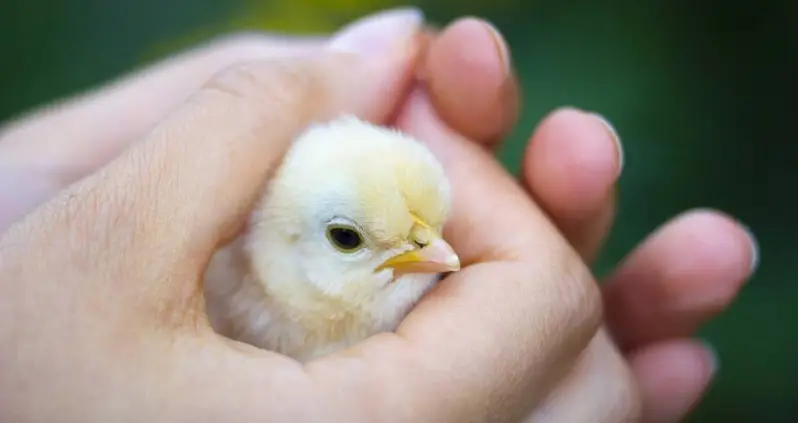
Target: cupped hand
point(677, 279)
point(468, 77)
point(102, 280)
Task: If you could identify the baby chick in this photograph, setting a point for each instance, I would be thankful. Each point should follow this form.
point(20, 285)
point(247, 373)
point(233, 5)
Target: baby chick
point(344, 242)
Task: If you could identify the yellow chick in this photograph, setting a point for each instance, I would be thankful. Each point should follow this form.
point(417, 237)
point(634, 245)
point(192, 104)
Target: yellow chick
point(344, 242)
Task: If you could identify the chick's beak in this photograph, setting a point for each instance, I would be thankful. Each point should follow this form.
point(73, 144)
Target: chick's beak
point(435, 257)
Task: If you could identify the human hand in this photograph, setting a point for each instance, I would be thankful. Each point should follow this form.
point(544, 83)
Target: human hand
point(679, 278)
point(102, 124)
point(102, 280)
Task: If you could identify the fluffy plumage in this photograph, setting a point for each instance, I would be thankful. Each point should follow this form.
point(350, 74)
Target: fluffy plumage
point(291, 284)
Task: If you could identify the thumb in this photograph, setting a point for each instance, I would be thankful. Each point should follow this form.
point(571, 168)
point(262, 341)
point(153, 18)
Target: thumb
point(156, 214)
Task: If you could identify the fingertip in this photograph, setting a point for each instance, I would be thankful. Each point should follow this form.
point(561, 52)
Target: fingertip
point(475, 45)
point(499, 43)
point(687, 271)
point(723, 252)
point(470, 79)
point(672, 377)
point(571, 163)
point(374, 34)
point(739, 236)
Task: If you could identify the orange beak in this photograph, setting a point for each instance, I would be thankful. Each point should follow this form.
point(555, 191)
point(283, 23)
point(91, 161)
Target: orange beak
point(437, 256)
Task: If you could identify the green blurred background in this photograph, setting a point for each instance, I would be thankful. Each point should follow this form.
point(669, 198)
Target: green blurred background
point(700, 91)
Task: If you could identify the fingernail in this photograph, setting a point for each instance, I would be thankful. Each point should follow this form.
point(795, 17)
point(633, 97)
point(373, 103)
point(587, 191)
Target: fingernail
point(712, 357)
point(377, 33)
point(500, 44)
point(615, 137)
point(754, 247)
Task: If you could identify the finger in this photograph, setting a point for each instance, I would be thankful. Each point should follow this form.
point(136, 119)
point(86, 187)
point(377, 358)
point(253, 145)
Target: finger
point(571, 166)
point(80, 133)
point(471, 82)
point(192, 180)
point(55, 146)
point(487, 343)
point(61, 143)
point(682, 275)
point(600, 388)
point(673, 376)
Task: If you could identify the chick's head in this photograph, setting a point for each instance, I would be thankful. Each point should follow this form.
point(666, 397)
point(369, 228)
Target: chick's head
point(353, 216)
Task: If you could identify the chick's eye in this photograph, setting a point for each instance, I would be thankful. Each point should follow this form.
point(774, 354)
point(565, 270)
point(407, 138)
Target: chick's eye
point(344, 239)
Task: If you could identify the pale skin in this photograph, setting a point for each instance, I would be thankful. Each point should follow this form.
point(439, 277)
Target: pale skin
point(486, 326)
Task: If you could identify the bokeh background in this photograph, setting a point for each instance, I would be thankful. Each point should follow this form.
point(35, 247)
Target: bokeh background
point(701, 91)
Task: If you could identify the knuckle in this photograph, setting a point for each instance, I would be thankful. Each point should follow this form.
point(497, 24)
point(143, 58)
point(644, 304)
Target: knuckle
point(599, 388)
point(272, 88)
point(61, 228)
point(84, 214)
point(625, 399)
point(619, 399)
point(583, 304)
point(632, 400)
